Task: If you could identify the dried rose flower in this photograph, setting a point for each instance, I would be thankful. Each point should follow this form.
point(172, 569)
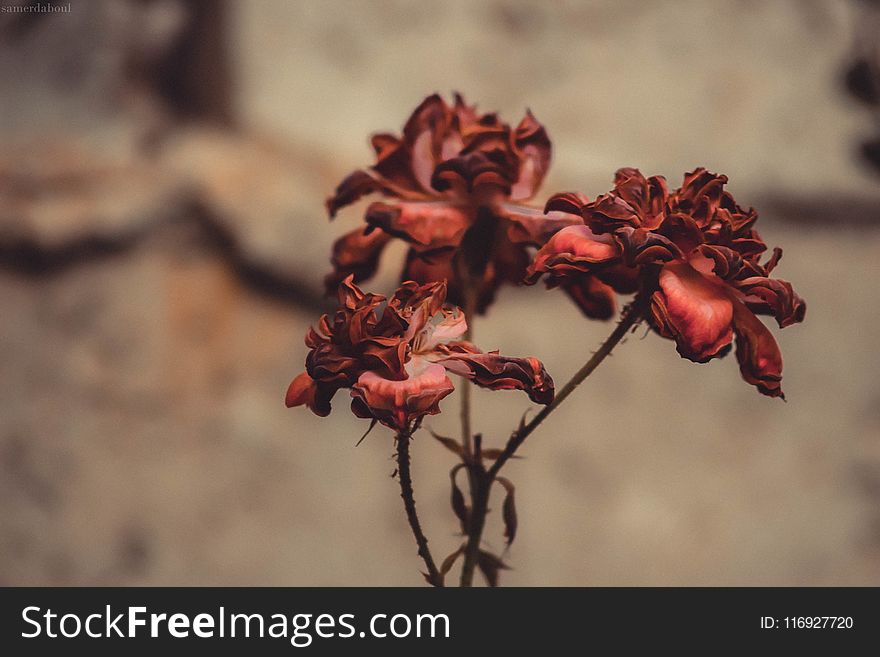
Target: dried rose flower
point(454, 185)
point(396, 361)
point(697, 248)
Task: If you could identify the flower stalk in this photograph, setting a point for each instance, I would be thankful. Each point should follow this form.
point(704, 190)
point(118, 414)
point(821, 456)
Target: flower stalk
point(409, 503)
point(482, 478)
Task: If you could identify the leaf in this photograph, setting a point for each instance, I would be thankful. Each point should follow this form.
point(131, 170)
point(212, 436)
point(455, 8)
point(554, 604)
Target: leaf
point(489, 565)
point(493, 453)
point(449, 443)
point(508, 511)
point(449, 561)
point(462, 511)
point(522, 420)
point(367, 433)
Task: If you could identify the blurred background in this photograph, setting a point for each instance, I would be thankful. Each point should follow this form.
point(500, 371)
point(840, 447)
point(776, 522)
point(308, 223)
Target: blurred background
point(163, 240)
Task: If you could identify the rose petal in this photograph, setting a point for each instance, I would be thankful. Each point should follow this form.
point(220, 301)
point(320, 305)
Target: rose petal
point(398, 403)
point(487, 172)
point(452, 327)
point(760, 361)
point(355, 254)
point(773, 296)
point(693, 310)
point(570, 202)
point(595, 299)
point(496, 372)
point(531, 226)
point(304, 390)
point(646, 195)
point(428, 225)
point(533, 145)
point(353, 187)
point(574, 249)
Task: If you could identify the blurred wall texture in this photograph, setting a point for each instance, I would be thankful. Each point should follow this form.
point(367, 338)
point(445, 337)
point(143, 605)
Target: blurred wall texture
point(163, 239)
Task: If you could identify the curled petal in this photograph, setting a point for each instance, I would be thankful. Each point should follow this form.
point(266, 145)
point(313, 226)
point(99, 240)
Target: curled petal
point(331, 366)
point(531, 226)
point(570, 202)
point(646, 195)
point(748, 247)
point(301, 391)
point(304, 390)
point(480, 170)
point(394, 167)
point(397, 403)
point(760, 361)
point(384, 355)
point(411, 297)
point(701, 192)
point(682, 230)
point(595, 299)
point(416, 304)
point(642, 246)
point(534, 149)
point(496, 372)
point(773, 296)
point(428, 225)
point(351, 296)
point(465, 115)
point(450, 328)
point(432, 116)
point(694, 311)
point(383, 144)
point(355, 254)
point(722, 261)
point(573, 249)
point(773, 260)
point(609, 212)
point(353, 187)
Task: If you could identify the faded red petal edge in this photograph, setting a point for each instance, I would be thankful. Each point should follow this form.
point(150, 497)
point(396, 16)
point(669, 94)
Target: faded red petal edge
point(758, 354)
point(496, 372)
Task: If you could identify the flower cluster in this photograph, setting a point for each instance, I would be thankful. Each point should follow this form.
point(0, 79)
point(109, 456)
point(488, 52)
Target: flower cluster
point(454, 187)
point(699, 252)
point(396, 361)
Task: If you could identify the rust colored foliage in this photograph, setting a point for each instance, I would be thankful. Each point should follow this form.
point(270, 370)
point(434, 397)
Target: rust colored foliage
point(699, 252)
point(454, 188)
point(394, 356)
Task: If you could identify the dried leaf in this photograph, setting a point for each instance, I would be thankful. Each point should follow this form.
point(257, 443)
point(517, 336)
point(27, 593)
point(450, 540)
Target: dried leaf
point(449, 443)
point(508, 511)
point(448, 562)
point(522, 420)
point(367, 433)
point(489, 565)
point(462, 511)
point(493, 453)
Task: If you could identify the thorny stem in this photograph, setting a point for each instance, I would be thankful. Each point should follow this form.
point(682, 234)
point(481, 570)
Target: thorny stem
point(631, 316)
point(482, 478)
point(409, 503)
